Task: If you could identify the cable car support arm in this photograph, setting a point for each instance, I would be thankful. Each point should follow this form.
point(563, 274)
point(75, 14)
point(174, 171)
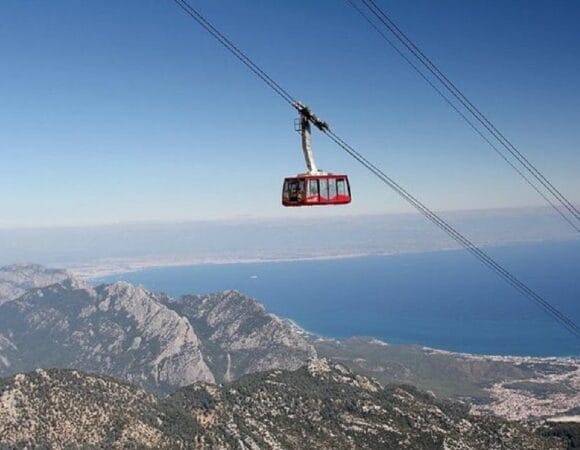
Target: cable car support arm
point(306, 118)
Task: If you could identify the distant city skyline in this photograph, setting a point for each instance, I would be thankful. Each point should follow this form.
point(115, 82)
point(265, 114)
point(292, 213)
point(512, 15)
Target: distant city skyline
point(119, 112)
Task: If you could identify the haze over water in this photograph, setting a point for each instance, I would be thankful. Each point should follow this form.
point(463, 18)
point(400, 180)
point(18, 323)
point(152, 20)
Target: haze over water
point(443, 299)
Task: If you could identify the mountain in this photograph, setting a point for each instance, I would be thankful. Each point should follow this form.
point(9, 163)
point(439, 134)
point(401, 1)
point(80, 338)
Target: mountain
point(321, 405)
point(240, 337)
point(117, 330)
point(17, 278)
point(149, 339)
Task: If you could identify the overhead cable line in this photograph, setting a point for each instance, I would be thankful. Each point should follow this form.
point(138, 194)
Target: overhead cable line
point(526, 291)
point(235, 50)
point(463, 116)
point(391, 26)
point(568, 323)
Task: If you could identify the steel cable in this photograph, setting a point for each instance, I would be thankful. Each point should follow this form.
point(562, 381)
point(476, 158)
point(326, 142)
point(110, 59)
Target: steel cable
point(475, 112)
point(464, 117)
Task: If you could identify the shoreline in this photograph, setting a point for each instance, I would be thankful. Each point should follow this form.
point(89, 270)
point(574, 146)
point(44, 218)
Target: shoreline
point(108, 267)
point(92, 271)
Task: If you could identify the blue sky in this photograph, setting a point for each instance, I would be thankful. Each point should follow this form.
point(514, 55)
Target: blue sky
point(128, 111)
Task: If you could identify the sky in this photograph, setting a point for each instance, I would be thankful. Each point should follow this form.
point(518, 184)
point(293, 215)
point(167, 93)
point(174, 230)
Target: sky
point(115, 112)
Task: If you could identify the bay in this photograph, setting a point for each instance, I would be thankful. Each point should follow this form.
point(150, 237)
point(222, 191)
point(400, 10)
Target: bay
point(443, 299)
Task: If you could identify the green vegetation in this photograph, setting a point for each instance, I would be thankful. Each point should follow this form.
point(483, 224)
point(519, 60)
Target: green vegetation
point(569, 433)
point(319, 406)
point(446, 374)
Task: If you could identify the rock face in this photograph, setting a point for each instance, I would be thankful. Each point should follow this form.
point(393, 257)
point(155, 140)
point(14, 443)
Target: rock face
point(16, 279)
point(118, 330)
point(322, 405)
point(240, 337)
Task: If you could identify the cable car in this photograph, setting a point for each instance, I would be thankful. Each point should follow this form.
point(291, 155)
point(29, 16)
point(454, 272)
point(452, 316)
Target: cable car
point(313, 187)
point(311, 190)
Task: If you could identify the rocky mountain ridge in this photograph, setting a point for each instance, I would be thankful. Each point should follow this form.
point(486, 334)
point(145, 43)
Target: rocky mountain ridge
point(321, 405)
point(118, 330)
point(149, 339)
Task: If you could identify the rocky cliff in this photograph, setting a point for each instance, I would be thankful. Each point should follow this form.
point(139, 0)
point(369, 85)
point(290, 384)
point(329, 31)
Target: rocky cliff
point(240, 337)
point(118, 330)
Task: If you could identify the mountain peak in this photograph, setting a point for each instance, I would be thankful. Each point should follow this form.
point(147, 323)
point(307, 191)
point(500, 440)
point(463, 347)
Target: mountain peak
point(318, 366)
point(124, 289)
point(74, 283)
point(327, 370)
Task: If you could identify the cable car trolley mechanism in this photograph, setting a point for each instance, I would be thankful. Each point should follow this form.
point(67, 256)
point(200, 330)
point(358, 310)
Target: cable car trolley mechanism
point(313, 187)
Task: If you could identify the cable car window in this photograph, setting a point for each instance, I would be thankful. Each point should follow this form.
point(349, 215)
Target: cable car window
point(331, 188)
point(323, 188)
point(291, 190)
point(312, 188)
point(340, 187)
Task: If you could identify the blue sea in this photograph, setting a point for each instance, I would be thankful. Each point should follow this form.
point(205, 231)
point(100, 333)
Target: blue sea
point(445, 299)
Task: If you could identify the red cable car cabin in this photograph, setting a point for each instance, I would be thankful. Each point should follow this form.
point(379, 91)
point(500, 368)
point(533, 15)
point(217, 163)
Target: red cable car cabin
point(312, 190)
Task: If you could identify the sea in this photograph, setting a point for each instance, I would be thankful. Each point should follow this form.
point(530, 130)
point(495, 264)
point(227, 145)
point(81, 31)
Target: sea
point(444, 299)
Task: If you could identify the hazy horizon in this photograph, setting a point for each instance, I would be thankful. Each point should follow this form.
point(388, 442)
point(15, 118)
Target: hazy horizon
point(298, 214)
point(133, 245)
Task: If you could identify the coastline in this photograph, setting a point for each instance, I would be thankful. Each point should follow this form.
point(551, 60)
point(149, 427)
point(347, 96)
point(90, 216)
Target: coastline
point(119, 266)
